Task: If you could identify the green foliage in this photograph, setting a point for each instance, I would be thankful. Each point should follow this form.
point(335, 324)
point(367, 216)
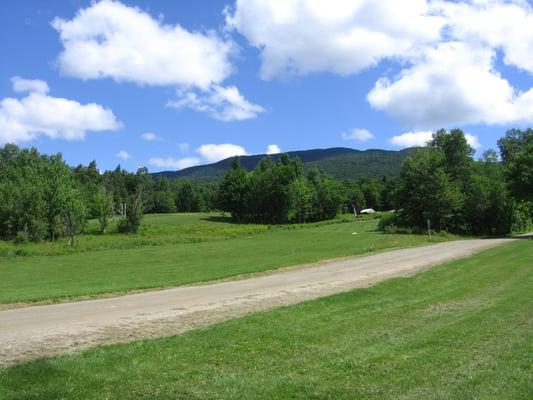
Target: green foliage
point(371, 189)
point(133, 213)
point(339, 163)
point(516, 149)
point(456, 151)
point(73, 215)
point(278, 191)
point(388, 221)
point(103, 209)
point(163, 197)
point(354, 197)
point(442, 183)
point(234, 191)
point(329, 196)
point(300, 197)
point(189, 197)
point(487, 208)
point(34, 193)
point(426, 191)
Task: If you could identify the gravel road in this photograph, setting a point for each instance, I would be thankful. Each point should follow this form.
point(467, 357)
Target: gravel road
point(31, 332)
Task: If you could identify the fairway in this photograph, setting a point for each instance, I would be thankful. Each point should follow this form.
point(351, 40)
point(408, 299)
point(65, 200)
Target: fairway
point(462, 330)
point(191, 248)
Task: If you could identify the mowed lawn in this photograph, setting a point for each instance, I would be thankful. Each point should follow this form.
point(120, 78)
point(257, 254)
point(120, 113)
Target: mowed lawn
point(250, 249)
point(463, 330)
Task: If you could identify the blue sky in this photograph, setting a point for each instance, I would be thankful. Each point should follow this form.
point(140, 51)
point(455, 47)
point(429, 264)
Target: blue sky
point(209, 79)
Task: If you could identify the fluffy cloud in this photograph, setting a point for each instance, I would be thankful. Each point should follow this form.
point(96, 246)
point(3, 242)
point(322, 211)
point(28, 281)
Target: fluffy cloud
point(304, 36)
point(123, 154)
point(29, 85)
point(216, 152)
point(504, 25)
point(174, 163)
point(209, 153)
point(473, 141)
point(420, 138)
point(273, 149)
point(222, 103)
point(453, 83)
point(412, 139)
point(361, 135)
point(447, 49)
point(110, 39)
point(25, 119)
point(150, 137)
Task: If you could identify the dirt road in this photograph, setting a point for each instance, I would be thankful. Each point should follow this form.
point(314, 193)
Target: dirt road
point(31, 332)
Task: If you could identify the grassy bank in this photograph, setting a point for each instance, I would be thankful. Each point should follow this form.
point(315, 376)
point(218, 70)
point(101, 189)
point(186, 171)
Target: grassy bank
point(96, 272)
point(463, 330)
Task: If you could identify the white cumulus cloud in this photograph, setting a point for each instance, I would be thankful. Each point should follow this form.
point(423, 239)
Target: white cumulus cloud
point(448, 51)
point(216, 152)
point(473, 141)
point(29, 85)
point(222, 103)
point(273, 149)
point(111, 40)
point(25, 119)
point(412, 139)
point(453, 83)
point(361, 135)
point(209, 153)
point(499, 24)
point(123, 154)
point(421, 138)
point(341, 36)
point(150, 137)
point(174, 163)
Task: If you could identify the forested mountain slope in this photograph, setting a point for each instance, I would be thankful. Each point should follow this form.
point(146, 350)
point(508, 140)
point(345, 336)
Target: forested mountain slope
point(339, 162)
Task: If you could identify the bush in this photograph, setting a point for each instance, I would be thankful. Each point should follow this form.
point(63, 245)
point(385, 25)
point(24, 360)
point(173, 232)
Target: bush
point(521, 218)
point(387, 220)
point(22, 237)
point(131, 224)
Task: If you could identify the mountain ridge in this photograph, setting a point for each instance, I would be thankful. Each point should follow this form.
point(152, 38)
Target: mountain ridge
point(339, 162)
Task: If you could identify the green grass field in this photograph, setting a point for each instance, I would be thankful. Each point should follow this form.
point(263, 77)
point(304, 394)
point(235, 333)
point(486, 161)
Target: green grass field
point(156, 230)
point(180, 249)
point(463, 330)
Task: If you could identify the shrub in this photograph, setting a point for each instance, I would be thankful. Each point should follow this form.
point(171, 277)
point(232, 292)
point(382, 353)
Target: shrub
point(387, 220)
point(21, 237)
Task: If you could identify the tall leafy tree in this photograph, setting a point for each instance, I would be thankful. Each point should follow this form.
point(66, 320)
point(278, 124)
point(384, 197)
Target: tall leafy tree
point(427, 192)
point(57, 183)
point(73, 214)
point(456, 150)
point(103, 208)
point(516, 149)
point(301, 197)
point(234, 191)
point(189, 197)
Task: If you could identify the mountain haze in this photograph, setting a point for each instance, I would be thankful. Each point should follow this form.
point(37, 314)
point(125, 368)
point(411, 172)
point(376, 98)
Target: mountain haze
point(338, 162)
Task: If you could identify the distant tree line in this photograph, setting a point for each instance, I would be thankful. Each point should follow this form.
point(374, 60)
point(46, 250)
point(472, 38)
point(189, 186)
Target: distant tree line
point(280, 191)
point(441, 185)
point(41, 197)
